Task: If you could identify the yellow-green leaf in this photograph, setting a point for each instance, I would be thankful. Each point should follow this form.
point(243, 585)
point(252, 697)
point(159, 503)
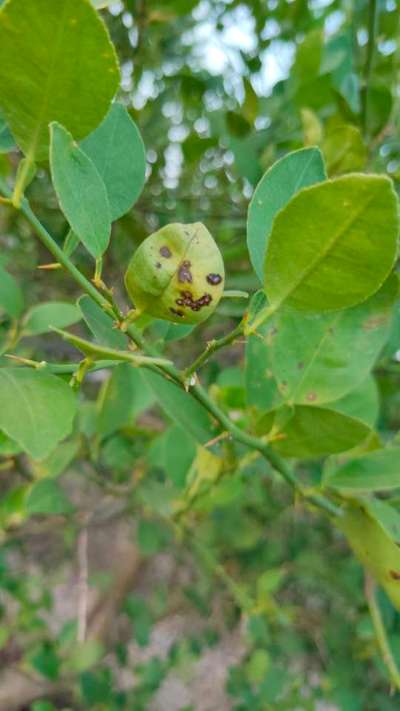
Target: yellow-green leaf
point(56, 64)
point(334, 244)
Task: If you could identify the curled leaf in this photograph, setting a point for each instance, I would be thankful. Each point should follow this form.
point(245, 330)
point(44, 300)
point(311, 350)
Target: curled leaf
point(177, 274)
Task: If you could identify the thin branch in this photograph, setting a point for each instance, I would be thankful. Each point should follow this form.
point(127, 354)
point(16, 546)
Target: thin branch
point(213, 347)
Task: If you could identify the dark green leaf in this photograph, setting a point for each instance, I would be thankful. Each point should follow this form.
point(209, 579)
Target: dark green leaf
point(374, 471)
point(312, 431)
point(101, 325)
point(53, 314)
point(80, 191)
point(6, 139)
point(11, 297)
point(117, 150)
point(37, 409)
point(286, 177)
point(46, 497)
point(184, 410)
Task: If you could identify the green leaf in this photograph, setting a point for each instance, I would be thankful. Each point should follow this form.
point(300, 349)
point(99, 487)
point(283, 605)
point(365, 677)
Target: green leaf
point(46, 661)
point(124, 395)
point(311, 431)
point(168, 332)
point(387, 517)
point(37, 409)
point(374, 548)
point(283, 180)
point(8, 446)
point(101, 325)
point(56, 64)
point(6, 139)
point(115, 406)
point(333, 245)
point(85, 655)
point(179, 407)
point(53, 314)
point(80, 191)
point(46, 497)
point(261, 387)
point(11, 297)
point(361, 403)
point(344, 150)
point(60, 458)
point(316, 358)
point(117, 150)
point(376, 471)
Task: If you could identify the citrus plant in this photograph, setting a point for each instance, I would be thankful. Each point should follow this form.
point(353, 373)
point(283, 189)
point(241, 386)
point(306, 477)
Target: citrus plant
point(299, 410)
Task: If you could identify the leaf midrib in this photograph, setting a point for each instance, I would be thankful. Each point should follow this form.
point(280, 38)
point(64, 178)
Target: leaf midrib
point(331, 244)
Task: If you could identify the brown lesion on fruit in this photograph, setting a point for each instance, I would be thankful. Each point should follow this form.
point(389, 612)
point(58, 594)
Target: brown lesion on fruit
point(165, 252)
point(158, 265)
point(176, 312)
point(186, 299)
point(311, 396)
point(214, 279)
point(184, 273)
point(394, 574)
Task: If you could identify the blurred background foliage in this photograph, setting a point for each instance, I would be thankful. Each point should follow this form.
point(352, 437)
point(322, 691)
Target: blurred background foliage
point(264, 595)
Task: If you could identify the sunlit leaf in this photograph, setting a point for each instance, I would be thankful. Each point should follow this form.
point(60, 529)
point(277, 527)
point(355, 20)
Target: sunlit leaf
point(334, 244)
point(56, 64)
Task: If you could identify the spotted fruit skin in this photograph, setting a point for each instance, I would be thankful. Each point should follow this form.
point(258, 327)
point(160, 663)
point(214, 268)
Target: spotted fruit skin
point(177, 274)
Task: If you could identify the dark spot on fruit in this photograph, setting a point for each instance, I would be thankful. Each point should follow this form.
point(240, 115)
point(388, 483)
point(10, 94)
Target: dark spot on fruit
point(273, 331)
point(394, 574)
point(176, 312)
point(194, 304)
point(214, 279)
point(184, 273)
point(158, 265)
point(165, 252)
point(300, 365)
point(311, 397)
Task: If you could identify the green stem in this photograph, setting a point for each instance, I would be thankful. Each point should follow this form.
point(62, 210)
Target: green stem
point(171, 372)
point(372, 28)
point(213, 347)
point(22, 177)
point(380, 632)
